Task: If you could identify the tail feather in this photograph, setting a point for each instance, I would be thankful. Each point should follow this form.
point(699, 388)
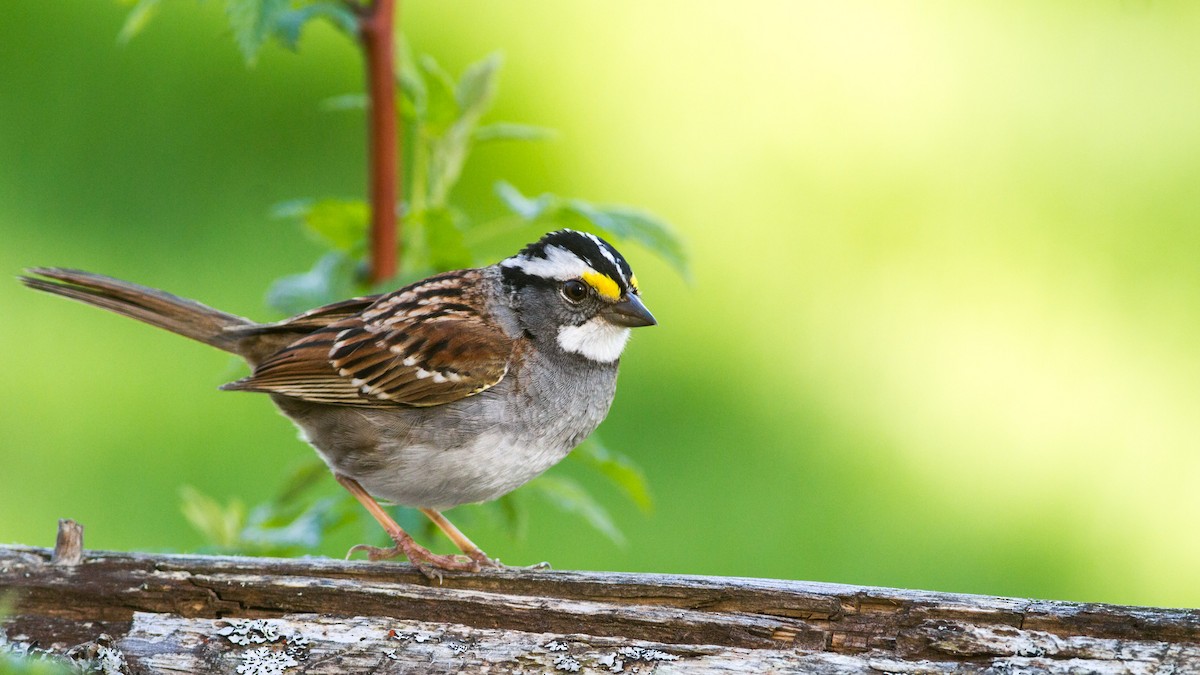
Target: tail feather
point(157, 308)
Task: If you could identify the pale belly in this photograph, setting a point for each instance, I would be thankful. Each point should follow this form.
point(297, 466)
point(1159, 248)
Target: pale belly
point(487, 469)
point(448, 455)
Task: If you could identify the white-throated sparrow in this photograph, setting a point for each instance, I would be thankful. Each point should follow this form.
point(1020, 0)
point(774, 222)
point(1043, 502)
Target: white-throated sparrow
point(457, 389)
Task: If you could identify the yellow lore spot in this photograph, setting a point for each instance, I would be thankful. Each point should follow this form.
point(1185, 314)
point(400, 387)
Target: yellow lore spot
point(633, 283)
point(605, 286)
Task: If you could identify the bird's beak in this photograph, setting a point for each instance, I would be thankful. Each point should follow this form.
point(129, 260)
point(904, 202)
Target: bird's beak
point(630, 313)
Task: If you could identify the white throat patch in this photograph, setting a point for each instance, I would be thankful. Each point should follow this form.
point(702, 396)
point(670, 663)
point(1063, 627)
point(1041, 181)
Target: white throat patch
point(596, 339)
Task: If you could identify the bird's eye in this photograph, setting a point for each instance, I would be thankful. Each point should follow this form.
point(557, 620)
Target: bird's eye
point(575, 290)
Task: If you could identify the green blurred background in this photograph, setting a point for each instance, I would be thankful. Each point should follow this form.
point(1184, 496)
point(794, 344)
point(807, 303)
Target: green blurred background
point(944, 331)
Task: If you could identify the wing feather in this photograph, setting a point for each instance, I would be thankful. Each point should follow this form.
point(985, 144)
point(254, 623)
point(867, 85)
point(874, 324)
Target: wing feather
point(423, 345)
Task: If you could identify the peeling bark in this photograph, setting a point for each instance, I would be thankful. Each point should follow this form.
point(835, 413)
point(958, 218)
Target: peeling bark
point(175, 613)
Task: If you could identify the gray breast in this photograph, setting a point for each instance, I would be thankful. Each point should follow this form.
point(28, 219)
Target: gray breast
point(472, 450)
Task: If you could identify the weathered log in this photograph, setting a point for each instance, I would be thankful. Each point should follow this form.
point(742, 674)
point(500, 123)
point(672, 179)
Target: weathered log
point(180, 613)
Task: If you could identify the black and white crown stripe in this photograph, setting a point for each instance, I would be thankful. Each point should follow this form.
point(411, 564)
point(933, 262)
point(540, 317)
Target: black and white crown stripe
point(568, 254)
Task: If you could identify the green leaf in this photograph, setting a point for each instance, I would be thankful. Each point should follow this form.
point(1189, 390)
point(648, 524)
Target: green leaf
point(220, 525)
point(516, 515)
point(571, 497)
point(444, 239)
point(304, 476)
point(289, 23)
point(630, 224)
point(137, 19)
point(333, 277)
point(475, 93)
point(292, 208)
point(344, 102)
point(615, 222)
point(449, 145)
point(272, 530)
point(509, 131)
point(414, 95)
point(253, 21)
point(22, 659)
point(409, 519)
point(339, 223)
point(441, 107)
point(477, 88)
point(617, 468)
point(529, 209)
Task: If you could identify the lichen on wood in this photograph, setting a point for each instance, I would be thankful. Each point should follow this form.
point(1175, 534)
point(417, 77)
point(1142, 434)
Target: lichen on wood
point(254, 616)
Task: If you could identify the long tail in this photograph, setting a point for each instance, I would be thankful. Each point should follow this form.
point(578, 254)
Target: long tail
point(157, 308)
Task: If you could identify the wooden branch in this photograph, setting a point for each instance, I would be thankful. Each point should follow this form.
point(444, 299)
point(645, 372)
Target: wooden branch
point(68, 545)
point(377, 34)
point(181, 613)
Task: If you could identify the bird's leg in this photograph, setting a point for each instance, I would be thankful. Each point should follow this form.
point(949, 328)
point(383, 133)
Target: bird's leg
point(422, 558)
point(460, 540)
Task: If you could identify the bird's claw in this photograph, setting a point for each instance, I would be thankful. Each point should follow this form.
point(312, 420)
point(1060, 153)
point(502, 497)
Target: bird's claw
point(427, 563)
point(481, 560)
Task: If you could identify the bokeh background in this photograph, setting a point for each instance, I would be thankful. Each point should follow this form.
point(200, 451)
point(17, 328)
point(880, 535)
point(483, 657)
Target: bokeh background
point(944, 330)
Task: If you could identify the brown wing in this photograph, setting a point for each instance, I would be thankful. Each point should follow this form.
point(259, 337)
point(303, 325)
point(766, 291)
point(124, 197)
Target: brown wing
point(423, 345)
point(258, 342)
point(312, 319)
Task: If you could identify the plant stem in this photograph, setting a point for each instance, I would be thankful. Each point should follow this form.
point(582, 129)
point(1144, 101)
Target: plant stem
point(383, 157)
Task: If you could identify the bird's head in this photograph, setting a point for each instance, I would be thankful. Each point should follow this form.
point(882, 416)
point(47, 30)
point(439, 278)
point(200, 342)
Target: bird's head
point(575, 289)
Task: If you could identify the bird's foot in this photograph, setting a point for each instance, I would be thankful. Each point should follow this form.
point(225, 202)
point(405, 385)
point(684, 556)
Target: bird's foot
point(427, 562)
point(482, 560)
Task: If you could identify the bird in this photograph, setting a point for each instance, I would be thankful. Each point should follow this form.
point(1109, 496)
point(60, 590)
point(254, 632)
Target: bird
point(456, 389)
